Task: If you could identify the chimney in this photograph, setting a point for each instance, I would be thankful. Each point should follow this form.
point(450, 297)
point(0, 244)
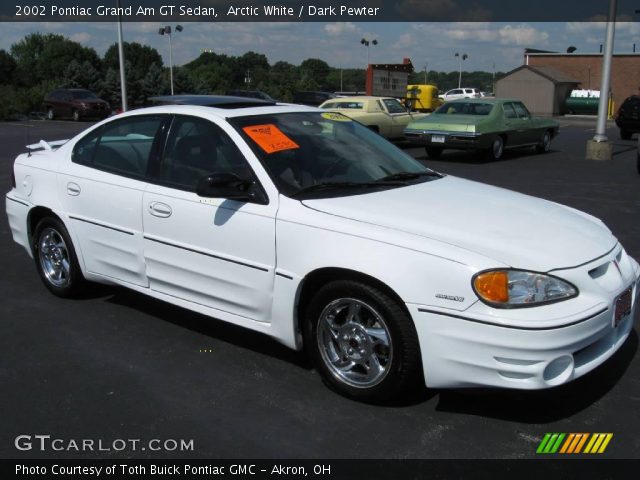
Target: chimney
point(406, 61)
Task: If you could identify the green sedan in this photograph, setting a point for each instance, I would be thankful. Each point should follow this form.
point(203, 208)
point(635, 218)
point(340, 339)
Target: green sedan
point(489, 125)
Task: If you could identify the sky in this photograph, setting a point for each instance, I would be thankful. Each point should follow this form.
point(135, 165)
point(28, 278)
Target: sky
point(430, 44)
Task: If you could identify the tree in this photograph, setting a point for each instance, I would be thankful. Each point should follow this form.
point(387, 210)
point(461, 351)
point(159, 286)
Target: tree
point(45, 57)
point(141, 57)
point(154, 82)
point(316, 71)
point(182, 82)
point(7, 67)
point(110, 88)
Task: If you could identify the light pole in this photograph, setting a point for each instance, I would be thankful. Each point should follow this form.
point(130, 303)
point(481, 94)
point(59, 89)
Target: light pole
point(366, 43)
point(167, 31)
point(599, 148)
point(425, 73)
point(123, 83)
point(461, 57)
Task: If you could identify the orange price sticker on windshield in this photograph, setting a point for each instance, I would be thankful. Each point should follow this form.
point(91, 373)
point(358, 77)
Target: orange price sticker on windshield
point(270, 138)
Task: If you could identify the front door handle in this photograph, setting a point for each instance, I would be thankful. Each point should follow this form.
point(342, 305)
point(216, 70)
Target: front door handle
point(73, 189)
point(159, 209)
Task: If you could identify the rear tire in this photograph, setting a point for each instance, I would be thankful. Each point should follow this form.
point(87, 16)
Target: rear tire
point(56, 259)
point(362, 341)
point(50, 114)
point(625, 134)
point(496, 149)
point(75, 114)
point(434, 152)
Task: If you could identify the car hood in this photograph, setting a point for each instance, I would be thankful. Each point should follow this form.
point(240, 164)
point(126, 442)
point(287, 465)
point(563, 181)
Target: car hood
point(440, 122)
point(514, 229)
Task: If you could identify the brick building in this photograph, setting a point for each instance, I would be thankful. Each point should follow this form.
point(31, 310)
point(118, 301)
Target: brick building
point(586, 68)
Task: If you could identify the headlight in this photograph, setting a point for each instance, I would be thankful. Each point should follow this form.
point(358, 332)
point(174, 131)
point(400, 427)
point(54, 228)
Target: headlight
point(517, 288)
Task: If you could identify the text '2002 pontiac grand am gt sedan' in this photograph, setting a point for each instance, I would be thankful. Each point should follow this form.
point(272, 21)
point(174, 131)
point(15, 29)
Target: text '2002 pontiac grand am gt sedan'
point(484, 124)
point(307, 226)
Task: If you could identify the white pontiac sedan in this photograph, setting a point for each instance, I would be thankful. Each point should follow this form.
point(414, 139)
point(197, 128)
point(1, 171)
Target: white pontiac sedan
point(306, 226)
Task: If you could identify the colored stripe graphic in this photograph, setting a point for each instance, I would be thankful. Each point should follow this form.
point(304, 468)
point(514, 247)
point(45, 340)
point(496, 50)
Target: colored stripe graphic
point(573, 443)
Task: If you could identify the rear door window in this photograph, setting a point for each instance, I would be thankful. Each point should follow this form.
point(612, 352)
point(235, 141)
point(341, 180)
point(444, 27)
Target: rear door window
point(121, 147)
point(509, 111)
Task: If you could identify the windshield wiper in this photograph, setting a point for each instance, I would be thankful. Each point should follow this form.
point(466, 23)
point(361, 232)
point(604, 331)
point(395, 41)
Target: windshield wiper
point(346, 185)
point(409, 176)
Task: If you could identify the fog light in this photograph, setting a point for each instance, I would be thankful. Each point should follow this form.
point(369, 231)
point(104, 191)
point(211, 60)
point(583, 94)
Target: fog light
point(558, 371)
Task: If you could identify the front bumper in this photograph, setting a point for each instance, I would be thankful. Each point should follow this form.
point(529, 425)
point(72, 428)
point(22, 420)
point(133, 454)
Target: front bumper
point(448, 139)
point(460, 349)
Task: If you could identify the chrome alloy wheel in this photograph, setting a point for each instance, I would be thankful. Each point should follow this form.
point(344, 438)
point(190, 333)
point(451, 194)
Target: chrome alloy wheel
point(54, 258)
point(546, 142)
point(497, 147)
point(354, 342)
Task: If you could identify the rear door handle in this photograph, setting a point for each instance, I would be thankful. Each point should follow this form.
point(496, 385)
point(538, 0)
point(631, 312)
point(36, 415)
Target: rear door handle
point(73, 189)
point(159, 209)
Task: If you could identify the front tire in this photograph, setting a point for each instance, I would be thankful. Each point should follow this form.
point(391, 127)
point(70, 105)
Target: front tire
point(56, 259)
point(50, 114)
point(362, 342)
point(545, 143)
point(75, 114)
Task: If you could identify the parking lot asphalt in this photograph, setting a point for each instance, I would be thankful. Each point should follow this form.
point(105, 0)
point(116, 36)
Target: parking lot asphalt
point(119, 365)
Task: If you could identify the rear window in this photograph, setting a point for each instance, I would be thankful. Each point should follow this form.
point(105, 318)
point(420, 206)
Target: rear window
point(394, 106)
point(348, 105)
point(80, 94)
point(464, 108)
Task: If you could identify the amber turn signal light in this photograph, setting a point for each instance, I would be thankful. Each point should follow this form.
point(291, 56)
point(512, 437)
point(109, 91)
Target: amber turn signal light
point(493, 286)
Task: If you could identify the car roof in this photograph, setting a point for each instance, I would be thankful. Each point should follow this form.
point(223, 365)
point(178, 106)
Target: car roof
point(358, 98)
point(261, 108)
point(484, 100)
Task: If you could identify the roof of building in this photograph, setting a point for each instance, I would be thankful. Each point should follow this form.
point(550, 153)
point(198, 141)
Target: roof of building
point(405, 66)
point(550, 73)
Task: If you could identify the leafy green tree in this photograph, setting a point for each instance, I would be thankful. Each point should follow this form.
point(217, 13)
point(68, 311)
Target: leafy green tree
point(315, 71)
point(141, 57)
point(7, 67)
point(44, 57)
point(182, 82)
point(154, 82)
point(110, 88)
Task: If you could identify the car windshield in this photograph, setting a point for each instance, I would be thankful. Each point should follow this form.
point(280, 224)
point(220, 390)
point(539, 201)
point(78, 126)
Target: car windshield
point(83, 94)
point(303, 150)
point(465, 108)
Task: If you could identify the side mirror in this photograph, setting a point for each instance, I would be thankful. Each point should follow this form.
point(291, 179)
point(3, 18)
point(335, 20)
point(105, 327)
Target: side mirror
point(229, 186)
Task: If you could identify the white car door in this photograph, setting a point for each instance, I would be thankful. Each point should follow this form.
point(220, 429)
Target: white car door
point(101, 190)
point(216, 252)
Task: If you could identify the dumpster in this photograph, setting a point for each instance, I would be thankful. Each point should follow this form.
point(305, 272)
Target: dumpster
point(582, 105)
